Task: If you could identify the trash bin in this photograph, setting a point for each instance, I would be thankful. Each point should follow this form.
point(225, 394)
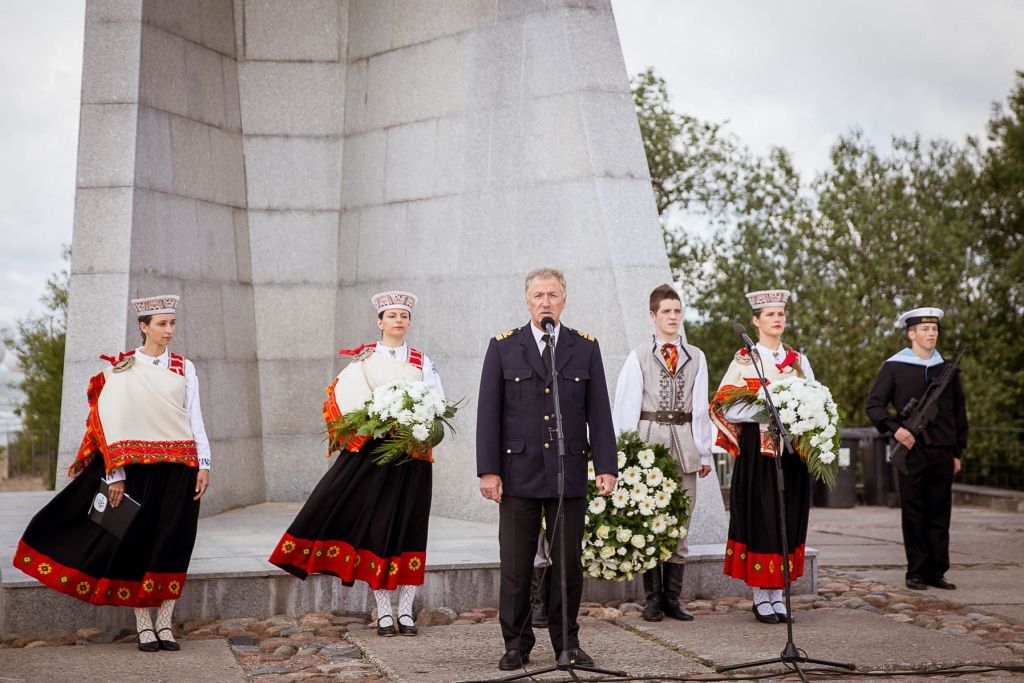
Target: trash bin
point(876, 473)
point(844, 493)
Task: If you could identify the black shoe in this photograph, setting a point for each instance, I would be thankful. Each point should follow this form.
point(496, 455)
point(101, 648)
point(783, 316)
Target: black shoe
point(916, 584)
point(386, 631)
point(772, 618)
point(578, 657)
point(409, 630)
point(782, 616)
point(540, 590)
point(151, 646)
point(169, 645)
point(652, 590)
point(513, 659)
point(673, 603)
point(941, 582)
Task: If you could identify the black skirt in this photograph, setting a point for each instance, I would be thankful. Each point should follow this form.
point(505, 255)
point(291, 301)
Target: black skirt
point(70, 553)
point(364, 522)
point(753, 552)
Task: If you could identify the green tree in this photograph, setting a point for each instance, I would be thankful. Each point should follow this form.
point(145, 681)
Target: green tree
point(38, 344)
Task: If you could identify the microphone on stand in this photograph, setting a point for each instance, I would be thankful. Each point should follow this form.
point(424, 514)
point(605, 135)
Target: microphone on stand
point(548, 323)
point(742, 332)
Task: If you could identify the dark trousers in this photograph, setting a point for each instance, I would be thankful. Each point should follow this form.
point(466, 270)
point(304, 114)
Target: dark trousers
point(926, 499)
point(518, 528)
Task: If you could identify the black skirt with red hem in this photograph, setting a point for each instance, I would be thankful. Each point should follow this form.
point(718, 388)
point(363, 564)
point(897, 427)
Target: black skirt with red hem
point(753, 552)
point(68, 552)
point(364, 522)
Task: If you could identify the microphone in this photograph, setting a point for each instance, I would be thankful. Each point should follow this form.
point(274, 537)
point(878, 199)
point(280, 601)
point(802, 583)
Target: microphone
point(548, 323)
point(742, 332)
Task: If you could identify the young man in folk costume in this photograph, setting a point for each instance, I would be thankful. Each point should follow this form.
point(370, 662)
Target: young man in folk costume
point(754, 550)
point(934, 457)
point(365, 521)
point(146, 438)
point(662, 394)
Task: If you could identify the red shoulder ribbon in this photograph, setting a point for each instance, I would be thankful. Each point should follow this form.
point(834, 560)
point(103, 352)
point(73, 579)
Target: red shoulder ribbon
point(120, 357)
point(356, 351)
point(791, 357)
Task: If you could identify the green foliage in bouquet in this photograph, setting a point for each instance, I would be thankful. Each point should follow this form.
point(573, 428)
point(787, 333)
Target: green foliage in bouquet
point(639, 524)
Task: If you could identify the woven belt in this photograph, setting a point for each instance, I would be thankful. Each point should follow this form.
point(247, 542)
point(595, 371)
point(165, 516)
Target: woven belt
point(667, 417)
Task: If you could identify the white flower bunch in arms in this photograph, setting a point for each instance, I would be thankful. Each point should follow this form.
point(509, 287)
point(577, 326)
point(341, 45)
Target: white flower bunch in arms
point(638, 524)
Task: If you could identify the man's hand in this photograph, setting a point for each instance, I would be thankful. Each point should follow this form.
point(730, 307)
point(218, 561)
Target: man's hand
point(956, 466)
point(115, 493)
point(705, 470)
point(904, 437)
point(202, 483)
point(605, 484)
point(490, 487)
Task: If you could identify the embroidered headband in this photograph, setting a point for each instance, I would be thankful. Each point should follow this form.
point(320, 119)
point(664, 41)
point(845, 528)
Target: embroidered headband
point(768, 298)
point(156, 305)
point(393, 299)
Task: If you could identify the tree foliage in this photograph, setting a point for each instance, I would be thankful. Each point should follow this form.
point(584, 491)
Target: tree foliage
point(924, 223)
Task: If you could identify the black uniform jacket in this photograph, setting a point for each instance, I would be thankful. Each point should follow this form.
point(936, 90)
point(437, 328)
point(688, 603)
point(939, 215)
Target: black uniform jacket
point(515, 428)
point(898, 382)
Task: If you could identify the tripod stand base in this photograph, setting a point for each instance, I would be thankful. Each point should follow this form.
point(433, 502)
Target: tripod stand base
point(790, 655)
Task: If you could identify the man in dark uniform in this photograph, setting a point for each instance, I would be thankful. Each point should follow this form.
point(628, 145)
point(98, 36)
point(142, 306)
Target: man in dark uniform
point(517, 459)
point(926, 496)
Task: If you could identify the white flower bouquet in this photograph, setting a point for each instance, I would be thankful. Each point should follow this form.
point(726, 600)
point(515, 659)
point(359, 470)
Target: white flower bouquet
point(811, 417)
point(411, 419)
point(640, 522)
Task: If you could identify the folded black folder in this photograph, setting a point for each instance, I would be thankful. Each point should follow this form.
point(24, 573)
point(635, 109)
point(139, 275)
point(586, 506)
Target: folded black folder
point(115, 520)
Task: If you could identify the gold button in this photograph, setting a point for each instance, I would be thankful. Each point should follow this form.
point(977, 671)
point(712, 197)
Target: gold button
point(547, 445)
point(509, 450)
point(547, 390)
point(547, 417)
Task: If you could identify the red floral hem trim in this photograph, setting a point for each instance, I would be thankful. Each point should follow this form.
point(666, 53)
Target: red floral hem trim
point(761, 570)
point(349, 563)
point(150, 591)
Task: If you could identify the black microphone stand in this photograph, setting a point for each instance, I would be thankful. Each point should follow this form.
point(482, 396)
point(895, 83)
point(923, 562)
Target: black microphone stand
point(564, 663)
point(791, 656)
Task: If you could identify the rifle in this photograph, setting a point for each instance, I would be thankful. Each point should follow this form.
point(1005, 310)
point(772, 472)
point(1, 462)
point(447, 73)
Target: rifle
point(920, 411)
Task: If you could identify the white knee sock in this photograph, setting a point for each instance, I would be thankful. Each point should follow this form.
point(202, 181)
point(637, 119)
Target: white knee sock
point(762, 596)
point(778, 601)
point(163, 620)
point(384, 616)
point(143, 622)
point(406, 594)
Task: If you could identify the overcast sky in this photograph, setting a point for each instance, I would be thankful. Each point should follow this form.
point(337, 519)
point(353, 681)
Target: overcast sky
point(795, 74)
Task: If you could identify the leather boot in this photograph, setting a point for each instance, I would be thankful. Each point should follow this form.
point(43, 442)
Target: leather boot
point(540, 591)
point(673, 604)
point(652, 588)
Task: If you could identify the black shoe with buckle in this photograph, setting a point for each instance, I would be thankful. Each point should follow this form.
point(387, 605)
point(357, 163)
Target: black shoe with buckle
point(386, 631)
point(513, 659)
point(916, 584)
point(151, 646)
point(407, 629)
point(578, 657)
point(782, 616)
point(169, 645)
point(941, 582)
point(772, 618)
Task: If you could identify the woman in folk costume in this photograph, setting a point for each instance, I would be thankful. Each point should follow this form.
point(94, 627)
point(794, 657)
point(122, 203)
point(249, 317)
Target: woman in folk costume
point(753, 552)
point(366, 521)
point(145, 437)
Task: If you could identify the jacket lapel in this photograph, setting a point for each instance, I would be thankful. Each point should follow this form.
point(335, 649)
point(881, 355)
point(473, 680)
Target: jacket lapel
point(531, 353)
point(563, 347)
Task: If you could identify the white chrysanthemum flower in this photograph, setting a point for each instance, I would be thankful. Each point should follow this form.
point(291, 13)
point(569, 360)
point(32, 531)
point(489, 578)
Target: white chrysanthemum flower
point(827, 457)
point(597, 505)
point(669, 486)
point(420, 432)
point(639, 493)
point(661, 499)
point(654, 476)
point(620, 459)
point(638, 541)
point(646, 457)
point(622, 535)
point(658, 524)
point(620, 498)
point(631, 475)
point(645, 507)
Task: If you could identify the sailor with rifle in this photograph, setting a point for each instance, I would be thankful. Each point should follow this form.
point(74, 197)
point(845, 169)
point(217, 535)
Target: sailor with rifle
point(931, 435)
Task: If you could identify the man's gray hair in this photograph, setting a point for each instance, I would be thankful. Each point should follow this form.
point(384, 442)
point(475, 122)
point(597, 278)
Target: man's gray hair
point(545, 273)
